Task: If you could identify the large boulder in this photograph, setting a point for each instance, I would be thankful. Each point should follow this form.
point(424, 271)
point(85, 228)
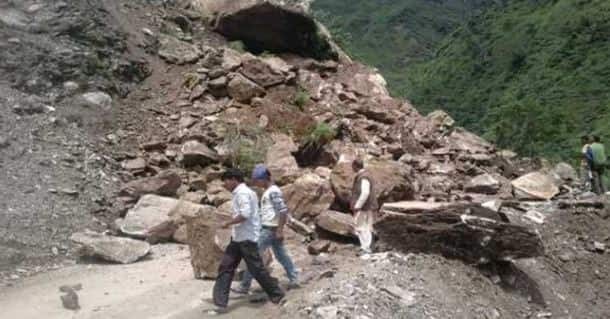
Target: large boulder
point(565, 172)
point(392, 180)
point(463, 141)
point(284, 29)
point(308, 196)
point(243, 89)
point(149, 212)
point(536, 185)
point(483, 184)
point(196, 153)
point(280, 161)
point(207, 242)
point(176, 51)
point(263, 73)
point(165, 183)
point(413, 207)
point(156, 216)
point(109, 248)
point(336, 223)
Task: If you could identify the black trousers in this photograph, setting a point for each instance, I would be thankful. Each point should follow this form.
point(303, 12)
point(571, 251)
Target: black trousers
point(248, 250)
point(598, 179)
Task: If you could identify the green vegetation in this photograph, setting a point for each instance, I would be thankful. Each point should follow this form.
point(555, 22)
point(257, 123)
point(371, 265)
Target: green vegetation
point(530, 77)
point(320, 134)
point(393, 35)
point(246, 147)
point(301, 98)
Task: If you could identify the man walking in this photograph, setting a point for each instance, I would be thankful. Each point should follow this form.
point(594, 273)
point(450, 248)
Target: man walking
point(364, 205)
point(244, 237)
point(274, 215)
point(599, 165)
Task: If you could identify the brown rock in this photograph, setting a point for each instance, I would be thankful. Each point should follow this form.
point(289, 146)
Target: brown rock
point(161, 233)
point(180, 235)
point(137, 165)
point(218, 87)
point(196, 153)
point(207, 243)
point(262, 73)
point(243, 90)
point(280, 162)
point(109, 248)
point(464, 141)
point(318, 246)
point(337, 223)
point(217, 194)
point(309, 196)
point(342, 180)
point(465, 231)
point(413, 207)
point(194, 197)
point(483, 184)
point(165, 183)
point(535, 185)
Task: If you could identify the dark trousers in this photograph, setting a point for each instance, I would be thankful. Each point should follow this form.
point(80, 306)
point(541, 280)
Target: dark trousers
point(598, 179)
point(248, 250)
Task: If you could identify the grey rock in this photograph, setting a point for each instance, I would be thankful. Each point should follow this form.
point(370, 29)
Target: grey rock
point(70, 301)
point(150, 211)
point(535, 185)
point(109, 248)
point(176, 51)
point(243, 90)
point(218, 87)
point(97, 99)
point(337, 223)
point(483, 184)
point(165, 183)
point(4, 142)
point(196, 153)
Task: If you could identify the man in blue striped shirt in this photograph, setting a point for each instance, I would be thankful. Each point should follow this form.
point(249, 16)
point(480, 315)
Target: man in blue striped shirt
point(274, 215)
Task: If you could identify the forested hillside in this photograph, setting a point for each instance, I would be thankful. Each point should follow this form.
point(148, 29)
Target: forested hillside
point(529, 75)
point(393, 35)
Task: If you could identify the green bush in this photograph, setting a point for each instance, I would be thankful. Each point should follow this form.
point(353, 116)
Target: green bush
point(320, 134)
point(246, 147)
point(301, 98)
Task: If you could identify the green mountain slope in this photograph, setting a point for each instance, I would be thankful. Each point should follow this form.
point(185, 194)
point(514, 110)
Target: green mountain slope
point(393, 35)
point(529, 76)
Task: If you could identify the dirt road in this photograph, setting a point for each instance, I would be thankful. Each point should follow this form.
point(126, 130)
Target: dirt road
point(159, 288)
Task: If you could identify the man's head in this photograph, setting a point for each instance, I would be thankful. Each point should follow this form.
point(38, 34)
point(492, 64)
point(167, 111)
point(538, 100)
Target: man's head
point(357, 165)
point(231, 178)
point(261, 177)
point(585, 139)
point(597, 139)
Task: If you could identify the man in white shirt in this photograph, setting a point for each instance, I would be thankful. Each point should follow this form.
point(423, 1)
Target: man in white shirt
point(244, 238)
point(274, 215)
point(364, 205)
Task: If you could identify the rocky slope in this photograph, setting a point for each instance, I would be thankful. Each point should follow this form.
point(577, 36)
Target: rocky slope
point(209, 104)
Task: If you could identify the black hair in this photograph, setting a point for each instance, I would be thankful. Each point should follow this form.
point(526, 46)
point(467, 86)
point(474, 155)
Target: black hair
point(596, 138)
point(585, 138)
point(233, 173)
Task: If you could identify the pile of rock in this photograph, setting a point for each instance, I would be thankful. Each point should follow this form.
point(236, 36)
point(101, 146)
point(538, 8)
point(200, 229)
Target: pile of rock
point(307, 120)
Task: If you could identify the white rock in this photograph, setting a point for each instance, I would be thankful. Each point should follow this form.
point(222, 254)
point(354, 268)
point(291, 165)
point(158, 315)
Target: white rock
point(98, 99)
point(114, 249)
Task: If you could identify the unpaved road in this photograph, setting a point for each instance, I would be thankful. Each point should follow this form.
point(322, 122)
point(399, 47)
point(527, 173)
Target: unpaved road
point(159, 288)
